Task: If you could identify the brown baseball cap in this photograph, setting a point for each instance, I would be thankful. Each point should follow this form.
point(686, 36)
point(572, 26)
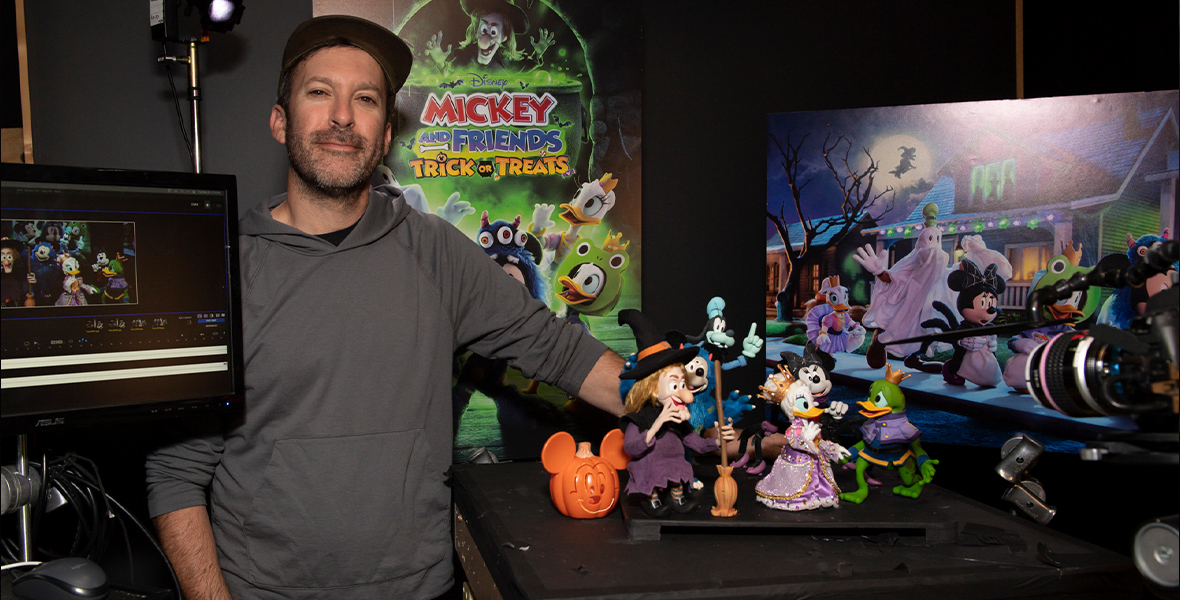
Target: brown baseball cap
point(383, 45)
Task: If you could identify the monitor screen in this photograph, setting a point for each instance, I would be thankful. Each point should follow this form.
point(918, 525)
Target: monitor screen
point(120, 295)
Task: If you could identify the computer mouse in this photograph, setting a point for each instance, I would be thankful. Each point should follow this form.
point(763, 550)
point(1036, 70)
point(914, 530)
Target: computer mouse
point(62, 579)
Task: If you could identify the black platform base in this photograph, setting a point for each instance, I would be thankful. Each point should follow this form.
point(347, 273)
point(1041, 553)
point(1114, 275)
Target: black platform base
point(854, 552)
point(930, 515)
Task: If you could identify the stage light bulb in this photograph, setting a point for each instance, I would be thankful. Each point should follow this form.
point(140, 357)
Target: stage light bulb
point(220, 10)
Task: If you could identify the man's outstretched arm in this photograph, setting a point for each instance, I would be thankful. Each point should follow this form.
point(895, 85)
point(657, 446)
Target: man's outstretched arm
point(187, 538)
point(601, 386)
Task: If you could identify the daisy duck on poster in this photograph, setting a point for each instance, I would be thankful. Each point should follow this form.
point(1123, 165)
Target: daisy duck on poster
point(655, 423)
point(829, 325)
point(801, 478)
point(890, 441)
point(588, 207)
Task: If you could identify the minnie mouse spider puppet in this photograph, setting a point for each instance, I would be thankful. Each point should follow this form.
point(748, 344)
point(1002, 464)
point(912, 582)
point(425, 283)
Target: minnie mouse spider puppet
point(655, 423)
point(974, 359)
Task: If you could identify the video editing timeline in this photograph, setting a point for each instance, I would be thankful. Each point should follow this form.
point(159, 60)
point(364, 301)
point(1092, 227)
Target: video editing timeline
point(71, 350)
point(119, 333)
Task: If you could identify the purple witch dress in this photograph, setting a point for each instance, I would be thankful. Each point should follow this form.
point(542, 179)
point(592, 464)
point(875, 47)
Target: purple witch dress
point(662, 462)
point(801, 478)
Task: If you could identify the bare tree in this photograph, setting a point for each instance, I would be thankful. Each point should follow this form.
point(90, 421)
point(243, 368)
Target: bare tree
point(856, 187)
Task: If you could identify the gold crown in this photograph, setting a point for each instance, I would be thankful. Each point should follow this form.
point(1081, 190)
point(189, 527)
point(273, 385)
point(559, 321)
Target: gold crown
point(607, 183)
point(1073, 255)
point(614, 243)
point(892, 376)
point(780, 391)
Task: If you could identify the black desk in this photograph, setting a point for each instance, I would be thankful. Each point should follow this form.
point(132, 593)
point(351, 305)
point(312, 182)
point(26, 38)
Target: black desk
point(532, 551)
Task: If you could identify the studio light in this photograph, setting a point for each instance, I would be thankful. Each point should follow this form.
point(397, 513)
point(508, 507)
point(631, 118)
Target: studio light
point(218, 15)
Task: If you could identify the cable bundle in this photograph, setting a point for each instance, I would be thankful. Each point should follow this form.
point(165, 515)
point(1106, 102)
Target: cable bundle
point(74, 480)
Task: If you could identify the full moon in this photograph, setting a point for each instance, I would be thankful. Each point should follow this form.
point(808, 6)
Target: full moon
point(902, 161)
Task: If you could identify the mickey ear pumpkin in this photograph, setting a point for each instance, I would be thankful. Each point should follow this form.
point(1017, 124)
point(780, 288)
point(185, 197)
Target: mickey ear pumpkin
point(583, 486)
point(558, 451)
point(611, 449)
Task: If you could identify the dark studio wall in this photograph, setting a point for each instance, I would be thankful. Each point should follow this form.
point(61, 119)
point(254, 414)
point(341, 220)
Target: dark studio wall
point(101, 99)
point(712, 73)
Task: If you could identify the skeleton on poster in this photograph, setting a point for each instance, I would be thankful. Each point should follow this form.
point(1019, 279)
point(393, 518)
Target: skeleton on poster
point(520, 124)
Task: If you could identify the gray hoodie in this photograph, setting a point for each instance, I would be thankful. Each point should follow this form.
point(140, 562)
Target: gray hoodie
point(333, 482)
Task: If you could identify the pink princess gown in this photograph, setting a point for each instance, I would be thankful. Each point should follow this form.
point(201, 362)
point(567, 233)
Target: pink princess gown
point(801, 478)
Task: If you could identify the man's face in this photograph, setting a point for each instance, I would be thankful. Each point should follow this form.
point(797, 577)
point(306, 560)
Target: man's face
point(7, 259)
point(491, 35)
point(335, 126)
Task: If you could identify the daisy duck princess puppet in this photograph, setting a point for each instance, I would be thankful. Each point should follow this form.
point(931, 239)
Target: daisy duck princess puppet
point(655, 423)
point(801, 478)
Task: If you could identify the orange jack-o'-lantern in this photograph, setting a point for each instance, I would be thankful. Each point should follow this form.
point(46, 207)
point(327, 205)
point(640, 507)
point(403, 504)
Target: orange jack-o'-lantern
point(584, 486)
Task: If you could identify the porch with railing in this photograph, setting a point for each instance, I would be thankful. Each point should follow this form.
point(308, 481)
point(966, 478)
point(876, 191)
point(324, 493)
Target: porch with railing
point(1014, 296)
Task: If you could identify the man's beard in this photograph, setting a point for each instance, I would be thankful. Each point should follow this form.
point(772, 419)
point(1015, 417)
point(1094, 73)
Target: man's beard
point(344, 183)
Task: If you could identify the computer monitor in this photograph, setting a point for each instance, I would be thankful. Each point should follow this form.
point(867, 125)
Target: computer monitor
point(120, 296)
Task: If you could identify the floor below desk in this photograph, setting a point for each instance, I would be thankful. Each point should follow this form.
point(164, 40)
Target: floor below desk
point(532, 551)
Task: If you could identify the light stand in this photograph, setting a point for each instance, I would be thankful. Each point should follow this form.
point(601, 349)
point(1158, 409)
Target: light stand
point(25, 523)
point(194, 97)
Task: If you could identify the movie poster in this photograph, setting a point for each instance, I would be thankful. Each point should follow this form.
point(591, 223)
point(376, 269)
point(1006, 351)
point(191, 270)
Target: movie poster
point(520, 124)
point(886, 224)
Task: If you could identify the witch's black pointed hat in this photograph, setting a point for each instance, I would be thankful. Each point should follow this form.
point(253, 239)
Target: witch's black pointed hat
point(655, 352)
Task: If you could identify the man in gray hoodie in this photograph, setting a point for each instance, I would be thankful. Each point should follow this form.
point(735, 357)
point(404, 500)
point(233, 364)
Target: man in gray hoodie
point(332, 483)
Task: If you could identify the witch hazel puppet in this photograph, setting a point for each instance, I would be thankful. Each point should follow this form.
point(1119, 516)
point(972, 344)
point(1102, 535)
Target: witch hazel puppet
point(655, 423)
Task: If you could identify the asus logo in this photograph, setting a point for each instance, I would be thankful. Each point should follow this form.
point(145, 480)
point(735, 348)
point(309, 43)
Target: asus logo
point(51, 422)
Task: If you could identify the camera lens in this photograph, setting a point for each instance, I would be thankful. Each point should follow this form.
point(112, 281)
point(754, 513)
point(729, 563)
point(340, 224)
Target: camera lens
point(1066, 374)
